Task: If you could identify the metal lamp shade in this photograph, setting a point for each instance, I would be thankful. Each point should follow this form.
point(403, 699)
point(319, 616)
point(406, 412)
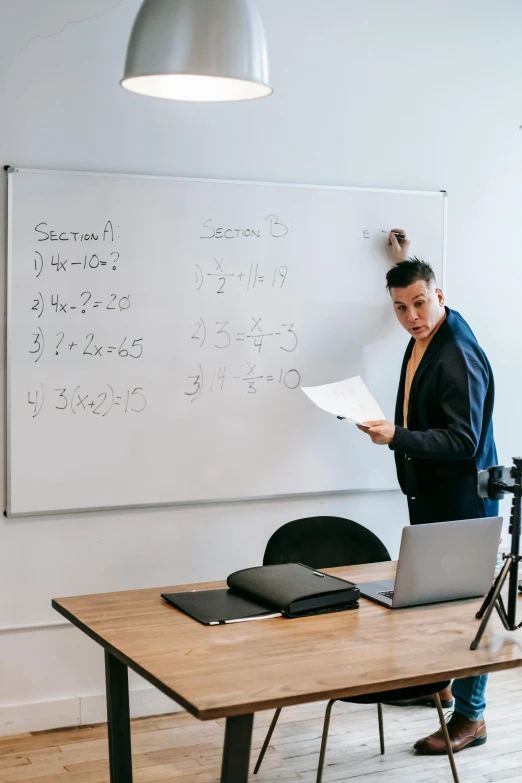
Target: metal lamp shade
point(197, 50)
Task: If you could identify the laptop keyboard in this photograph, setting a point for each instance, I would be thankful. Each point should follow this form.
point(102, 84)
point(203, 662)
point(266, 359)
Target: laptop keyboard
point(387, 593)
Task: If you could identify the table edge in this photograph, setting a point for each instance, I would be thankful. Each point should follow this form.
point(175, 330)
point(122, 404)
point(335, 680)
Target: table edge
point(213, 713)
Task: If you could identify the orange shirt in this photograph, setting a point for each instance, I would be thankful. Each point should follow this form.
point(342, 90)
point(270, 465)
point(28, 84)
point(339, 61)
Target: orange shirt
point(419, 349)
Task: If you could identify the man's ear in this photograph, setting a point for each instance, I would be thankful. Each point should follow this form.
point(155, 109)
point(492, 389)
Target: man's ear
point(440, 297)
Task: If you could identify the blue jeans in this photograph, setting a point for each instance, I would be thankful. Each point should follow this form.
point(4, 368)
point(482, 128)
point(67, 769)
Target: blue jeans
point(470, 696)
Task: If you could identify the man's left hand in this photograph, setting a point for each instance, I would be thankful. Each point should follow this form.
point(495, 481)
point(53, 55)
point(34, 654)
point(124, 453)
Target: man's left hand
point(381, 432)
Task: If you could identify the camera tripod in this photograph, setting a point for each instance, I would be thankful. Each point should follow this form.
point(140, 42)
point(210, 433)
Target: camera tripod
point(496, 489)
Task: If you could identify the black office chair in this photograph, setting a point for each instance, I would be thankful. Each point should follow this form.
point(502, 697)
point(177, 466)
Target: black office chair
point(324, 542)
point(327, 542)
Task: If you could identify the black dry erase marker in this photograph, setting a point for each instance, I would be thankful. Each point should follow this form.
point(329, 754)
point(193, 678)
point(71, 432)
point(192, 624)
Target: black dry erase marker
point(399, 236)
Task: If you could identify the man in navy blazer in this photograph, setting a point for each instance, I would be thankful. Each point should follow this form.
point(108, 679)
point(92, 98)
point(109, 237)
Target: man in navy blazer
point(442, 435)
point(448, 435)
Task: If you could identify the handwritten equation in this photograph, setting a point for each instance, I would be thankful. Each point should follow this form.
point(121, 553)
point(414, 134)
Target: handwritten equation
point(60, 262)
point(220, 378)
point(90, 345)
point(225, 336)
point(257, 275)
point(87, 303)
point(78, 400)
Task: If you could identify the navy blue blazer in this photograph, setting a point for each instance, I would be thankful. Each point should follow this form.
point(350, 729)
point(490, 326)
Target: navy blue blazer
point(450, 428)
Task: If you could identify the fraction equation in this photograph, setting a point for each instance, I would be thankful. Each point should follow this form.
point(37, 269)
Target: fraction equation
point(61, 262)
point(78, 400)
point(87, 303)
point(225, 335)
point(257, 276)
point(221, 378)
point(90, 345)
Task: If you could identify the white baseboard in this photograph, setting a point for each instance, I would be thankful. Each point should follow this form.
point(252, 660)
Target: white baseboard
point(78, 711)
point(35, 716)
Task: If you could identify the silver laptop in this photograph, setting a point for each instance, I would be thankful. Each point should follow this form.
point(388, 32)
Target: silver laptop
point(442, 561)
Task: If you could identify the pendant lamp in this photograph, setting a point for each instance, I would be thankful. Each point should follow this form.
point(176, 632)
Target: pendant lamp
point(197, 50)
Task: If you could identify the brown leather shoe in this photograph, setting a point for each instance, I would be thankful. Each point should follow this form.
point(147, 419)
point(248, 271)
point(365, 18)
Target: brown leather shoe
point(463, 733)
point(446, 700)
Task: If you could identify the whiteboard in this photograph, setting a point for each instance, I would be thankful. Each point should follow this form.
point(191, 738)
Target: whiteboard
point(159, 330)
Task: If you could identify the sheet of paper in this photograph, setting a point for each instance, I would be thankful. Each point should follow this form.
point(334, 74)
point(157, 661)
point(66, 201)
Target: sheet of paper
point(350, 399)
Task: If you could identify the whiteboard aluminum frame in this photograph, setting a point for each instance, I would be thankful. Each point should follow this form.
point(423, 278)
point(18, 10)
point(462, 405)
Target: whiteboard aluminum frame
point(11, 171)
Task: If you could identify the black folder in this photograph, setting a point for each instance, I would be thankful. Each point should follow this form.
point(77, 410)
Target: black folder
point(218, 607)
point(290, 589)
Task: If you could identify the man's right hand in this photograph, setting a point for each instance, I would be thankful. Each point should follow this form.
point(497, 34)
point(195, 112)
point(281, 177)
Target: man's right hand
point(399, 247)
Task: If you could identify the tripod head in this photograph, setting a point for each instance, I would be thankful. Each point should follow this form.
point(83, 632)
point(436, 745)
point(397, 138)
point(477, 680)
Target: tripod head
point(493, 483)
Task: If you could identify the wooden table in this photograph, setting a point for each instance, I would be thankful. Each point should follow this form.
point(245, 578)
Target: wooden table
point(232, 671)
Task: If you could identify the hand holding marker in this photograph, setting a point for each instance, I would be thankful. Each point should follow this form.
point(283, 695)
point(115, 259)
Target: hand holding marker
point(399, 243)
point(397, 234)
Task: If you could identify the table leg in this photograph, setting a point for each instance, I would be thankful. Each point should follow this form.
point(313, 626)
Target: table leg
point(118, 719)
point(236, 750)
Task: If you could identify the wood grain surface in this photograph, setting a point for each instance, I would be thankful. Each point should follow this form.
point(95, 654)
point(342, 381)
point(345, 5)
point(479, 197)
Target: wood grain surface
point(218, 671)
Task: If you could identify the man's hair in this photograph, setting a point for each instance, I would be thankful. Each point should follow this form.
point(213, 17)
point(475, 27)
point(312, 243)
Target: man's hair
point(407, 272)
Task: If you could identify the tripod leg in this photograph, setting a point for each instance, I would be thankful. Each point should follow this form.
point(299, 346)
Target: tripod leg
point(489, 597)
point(497, 587)
point(501, 609)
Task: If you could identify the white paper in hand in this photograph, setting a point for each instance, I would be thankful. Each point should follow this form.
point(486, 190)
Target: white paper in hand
point(350, 399)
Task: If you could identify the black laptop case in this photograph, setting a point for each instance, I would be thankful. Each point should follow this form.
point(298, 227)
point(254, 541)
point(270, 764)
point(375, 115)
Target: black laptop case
point(295, 589)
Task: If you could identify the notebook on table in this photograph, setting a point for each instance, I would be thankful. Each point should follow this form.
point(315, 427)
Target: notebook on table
point(288, 590)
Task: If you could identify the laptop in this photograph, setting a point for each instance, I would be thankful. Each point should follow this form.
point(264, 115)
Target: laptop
point(441, 561)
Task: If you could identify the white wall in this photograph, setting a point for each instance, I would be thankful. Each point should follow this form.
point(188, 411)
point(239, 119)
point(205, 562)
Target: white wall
point(411, 94)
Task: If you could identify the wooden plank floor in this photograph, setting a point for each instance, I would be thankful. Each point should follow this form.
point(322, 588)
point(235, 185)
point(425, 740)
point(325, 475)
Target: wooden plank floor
point(180, 748)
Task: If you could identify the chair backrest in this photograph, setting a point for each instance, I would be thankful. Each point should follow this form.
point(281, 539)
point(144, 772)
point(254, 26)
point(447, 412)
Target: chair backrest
point(324, 542)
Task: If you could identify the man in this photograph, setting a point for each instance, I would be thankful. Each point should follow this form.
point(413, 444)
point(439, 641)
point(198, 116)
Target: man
point(442, 435)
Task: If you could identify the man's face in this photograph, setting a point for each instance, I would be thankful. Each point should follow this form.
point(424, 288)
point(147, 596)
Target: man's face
point(419, 308)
